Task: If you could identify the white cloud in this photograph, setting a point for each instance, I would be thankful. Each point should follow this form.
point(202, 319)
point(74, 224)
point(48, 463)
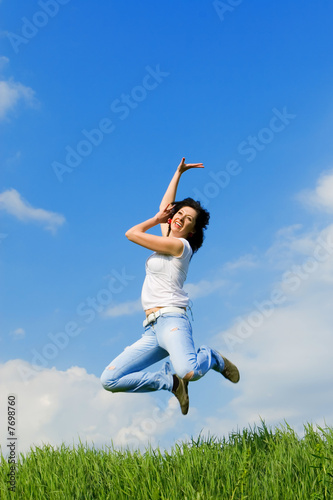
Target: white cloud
point(244, 262)
point(3, 60)
point(11, 93)
point(12, 203)
point(286, 368)
point(14, 159)
point(322, 196)
point(124, 309)
point(284, 349)
point(18, 333)
point(203, 288)
point(3, 236)
point(194, 290)
point(291, 244)
point(67, 406)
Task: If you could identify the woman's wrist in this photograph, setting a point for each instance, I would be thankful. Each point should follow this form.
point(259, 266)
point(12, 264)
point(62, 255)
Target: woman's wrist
point(154, 220)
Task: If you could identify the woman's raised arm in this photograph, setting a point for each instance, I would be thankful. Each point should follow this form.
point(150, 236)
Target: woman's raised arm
point(170, 194)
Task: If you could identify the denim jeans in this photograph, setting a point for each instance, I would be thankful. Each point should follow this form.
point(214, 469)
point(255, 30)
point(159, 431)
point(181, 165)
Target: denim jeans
point(169, 335)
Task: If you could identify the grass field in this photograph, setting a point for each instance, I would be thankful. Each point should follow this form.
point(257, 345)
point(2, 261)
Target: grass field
point(258, 463)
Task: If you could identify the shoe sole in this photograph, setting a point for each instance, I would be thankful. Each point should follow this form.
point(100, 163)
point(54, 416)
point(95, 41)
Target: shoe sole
point(230, 371)
point(182, 395)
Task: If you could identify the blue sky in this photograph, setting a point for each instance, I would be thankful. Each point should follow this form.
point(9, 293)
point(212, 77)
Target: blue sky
point(98, 104)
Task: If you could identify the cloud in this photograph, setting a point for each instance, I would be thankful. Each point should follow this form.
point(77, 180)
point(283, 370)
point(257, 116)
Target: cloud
point(283, 349)
point(321, 197)
point(286, 368)
point(12, 203)
point(3, 236)
point(13, 159)
point(18, 333)
point(11, 93)
point(194, 290)
point(67, 406)
point(124, 309)
point(203, 288)
point(244, 262)
point(291, 243)
point(3, 60)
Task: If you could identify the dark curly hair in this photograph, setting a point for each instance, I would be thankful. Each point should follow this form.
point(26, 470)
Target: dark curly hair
point(201, 221)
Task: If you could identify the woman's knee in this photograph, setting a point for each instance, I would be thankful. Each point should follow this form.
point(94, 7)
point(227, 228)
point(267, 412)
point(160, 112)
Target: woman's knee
point(109, 379)
point(187, 372)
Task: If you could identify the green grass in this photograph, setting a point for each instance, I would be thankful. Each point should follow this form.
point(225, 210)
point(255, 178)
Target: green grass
point(254, 464)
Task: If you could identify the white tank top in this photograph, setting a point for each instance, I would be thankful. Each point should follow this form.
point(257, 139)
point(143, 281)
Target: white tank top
point(165, 277)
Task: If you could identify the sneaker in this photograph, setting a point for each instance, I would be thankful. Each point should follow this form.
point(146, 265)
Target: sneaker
point(230, 371)
point(181, 394)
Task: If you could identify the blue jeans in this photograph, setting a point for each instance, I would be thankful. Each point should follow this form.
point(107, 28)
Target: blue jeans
point(169, 335)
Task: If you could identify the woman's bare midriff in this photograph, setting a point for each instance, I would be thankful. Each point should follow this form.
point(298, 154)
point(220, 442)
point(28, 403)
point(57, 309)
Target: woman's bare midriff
point(154, 309)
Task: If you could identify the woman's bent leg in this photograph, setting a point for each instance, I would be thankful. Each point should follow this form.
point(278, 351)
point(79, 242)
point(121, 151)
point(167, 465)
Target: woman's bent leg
point(126, 372)
point(174, 334)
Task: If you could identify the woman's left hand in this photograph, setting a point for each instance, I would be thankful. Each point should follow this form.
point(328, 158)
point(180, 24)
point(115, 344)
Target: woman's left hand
point(183, 167)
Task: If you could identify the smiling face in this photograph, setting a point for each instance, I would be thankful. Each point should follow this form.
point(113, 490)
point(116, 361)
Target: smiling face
point(183, 222)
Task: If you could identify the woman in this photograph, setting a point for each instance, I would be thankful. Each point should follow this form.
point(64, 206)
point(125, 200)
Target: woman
point(167, 328)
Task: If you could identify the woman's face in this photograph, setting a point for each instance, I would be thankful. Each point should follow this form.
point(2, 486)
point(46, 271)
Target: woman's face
point(183, 222)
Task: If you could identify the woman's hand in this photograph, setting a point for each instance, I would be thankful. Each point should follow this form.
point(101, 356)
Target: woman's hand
point(170, 193)
point(163, 215)
point(162, 244)
point(182, 167)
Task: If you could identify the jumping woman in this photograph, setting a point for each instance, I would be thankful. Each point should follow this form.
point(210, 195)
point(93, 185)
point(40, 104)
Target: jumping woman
point(168, 330)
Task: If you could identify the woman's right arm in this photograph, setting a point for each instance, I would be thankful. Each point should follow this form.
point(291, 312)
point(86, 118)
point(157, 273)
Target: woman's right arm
point(170, 194)
point(169, 246)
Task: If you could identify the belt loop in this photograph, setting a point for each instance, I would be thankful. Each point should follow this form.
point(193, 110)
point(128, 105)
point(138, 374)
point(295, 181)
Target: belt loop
point(190, 308)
